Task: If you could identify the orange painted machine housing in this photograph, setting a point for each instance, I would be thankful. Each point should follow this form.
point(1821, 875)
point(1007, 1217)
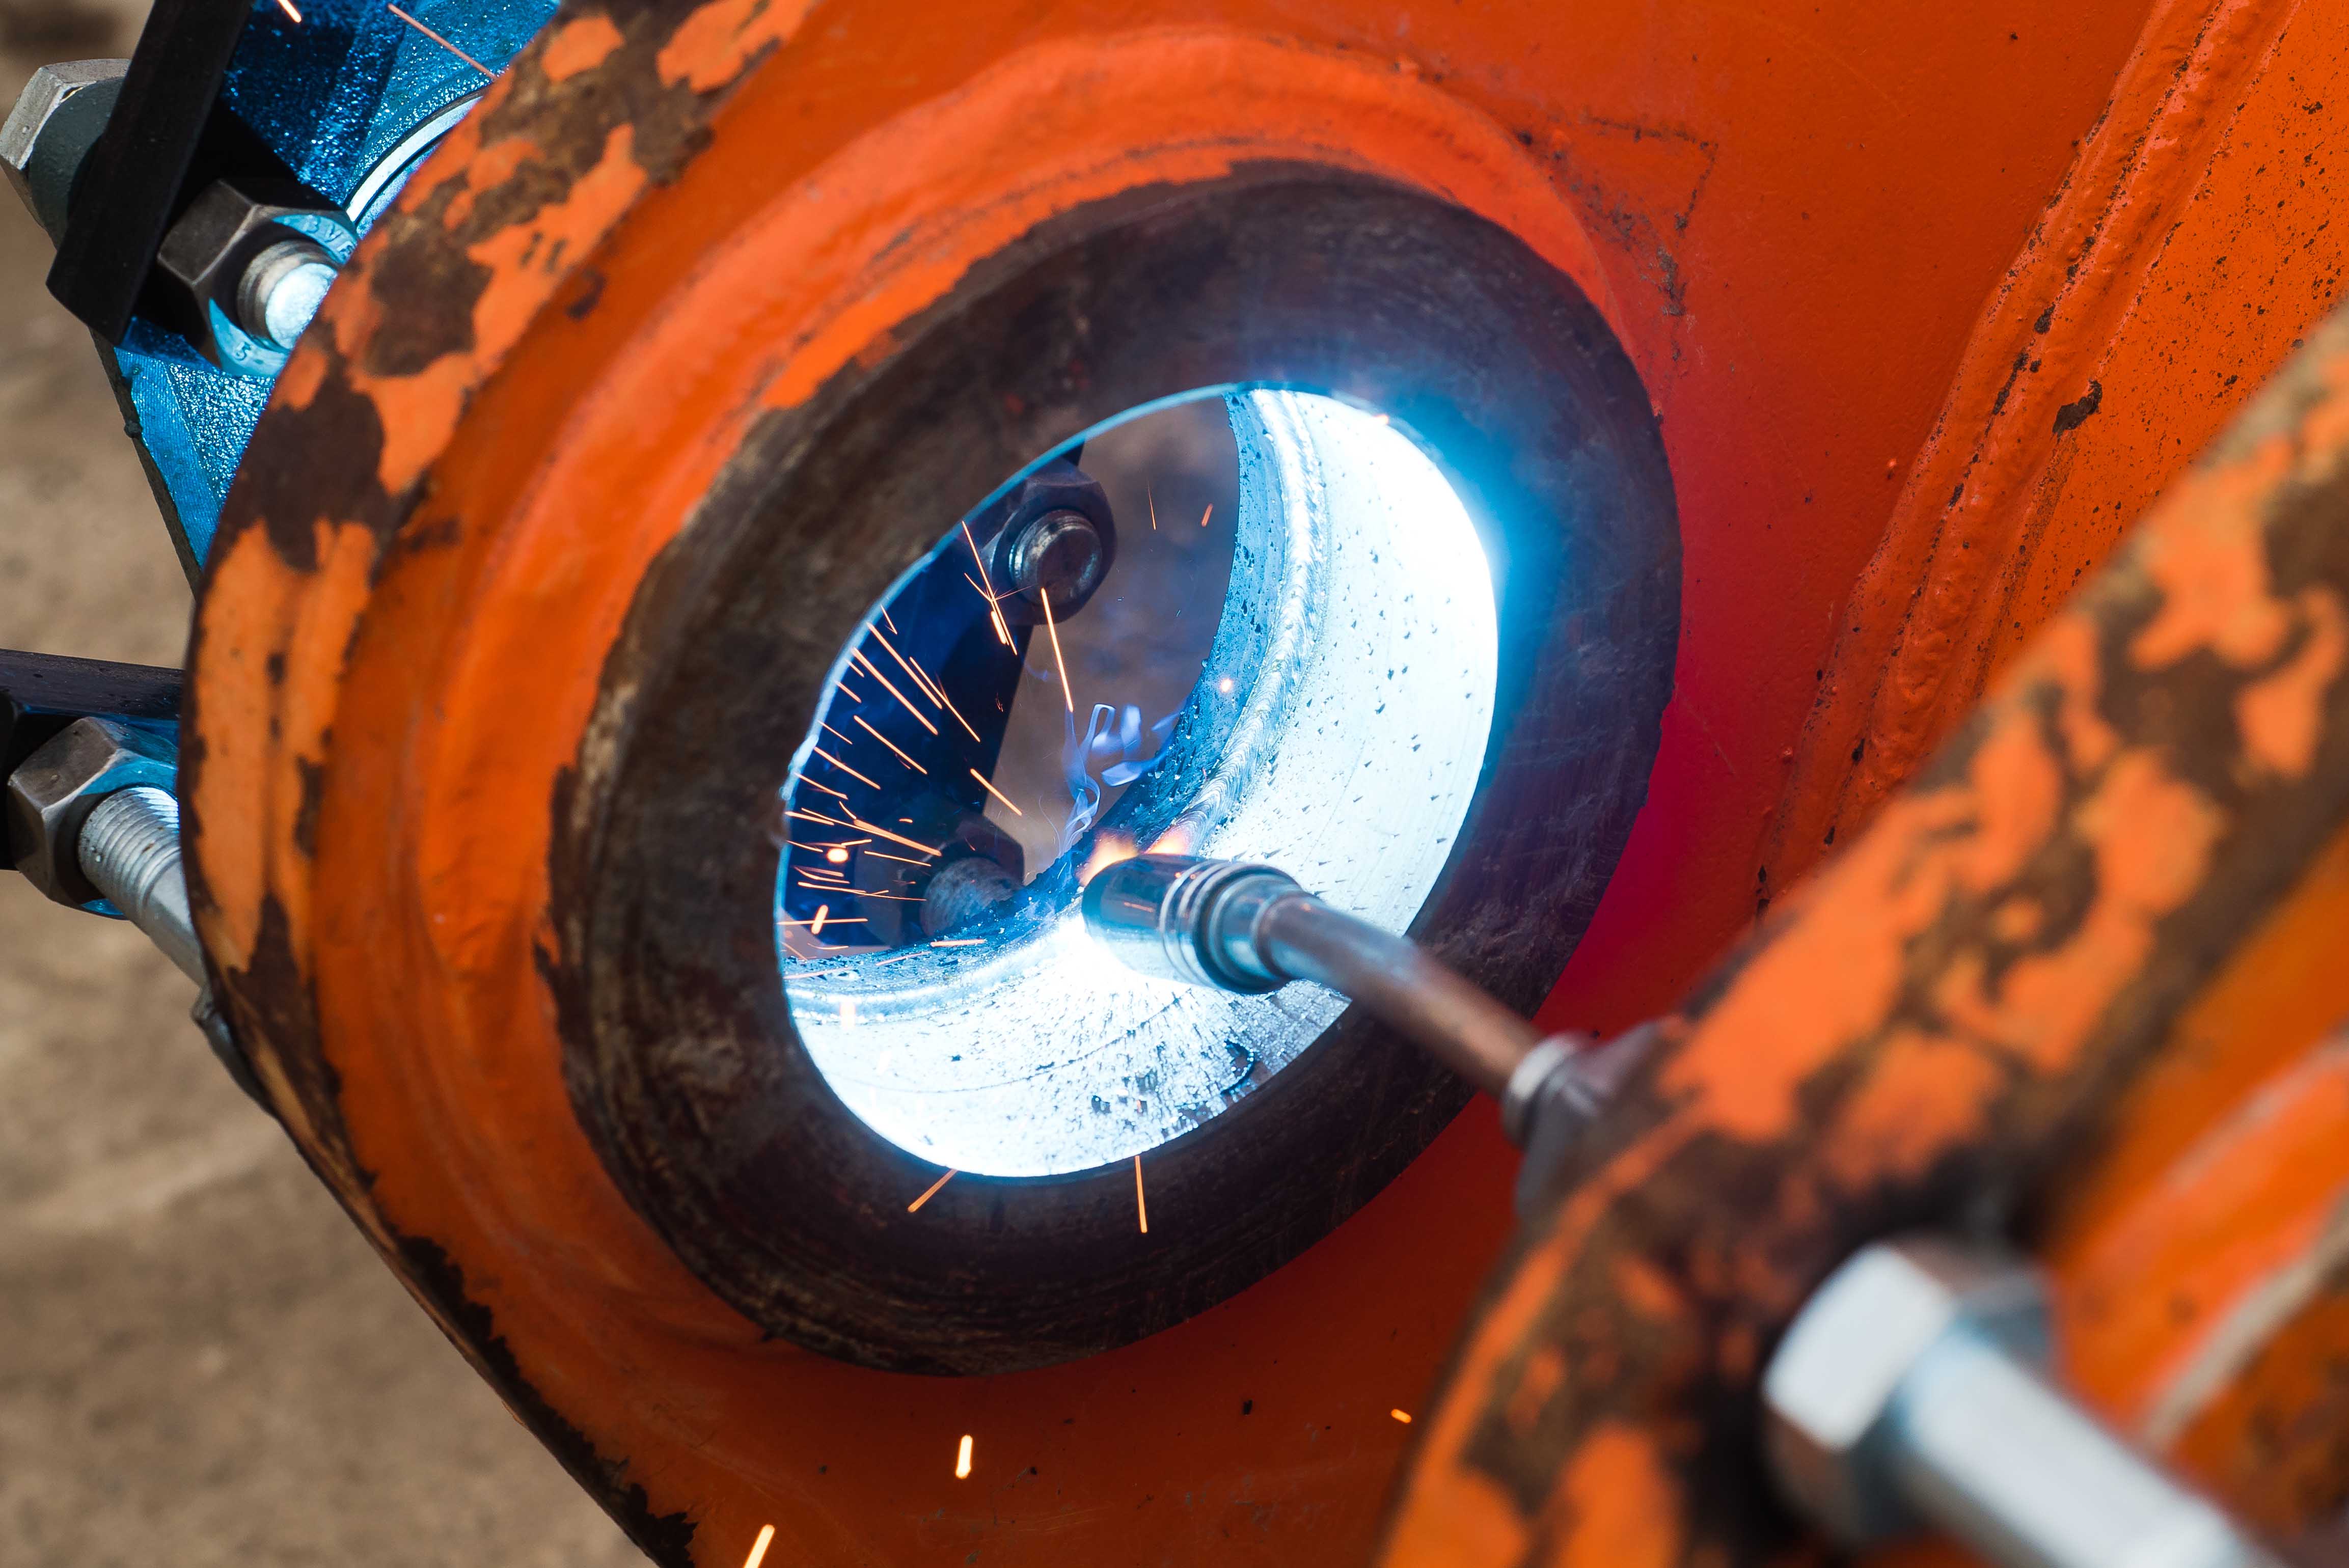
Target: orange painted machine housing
point(1930, 301)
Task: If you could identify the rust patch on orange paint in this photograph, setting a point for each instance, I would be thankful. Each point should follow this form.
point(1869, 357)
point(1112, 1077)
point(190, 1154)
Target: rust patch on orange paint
point(574, 46)
point(521, 266)
point(2281, 717)
point(1921, 1095)
point(722, 37)
point(1900, 1043)
point(1623, 1503)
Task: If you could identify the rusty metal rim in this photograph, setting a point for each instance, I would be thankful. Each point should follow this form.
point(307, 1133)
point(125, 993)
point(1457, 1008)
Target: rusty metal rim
point(678, 1049)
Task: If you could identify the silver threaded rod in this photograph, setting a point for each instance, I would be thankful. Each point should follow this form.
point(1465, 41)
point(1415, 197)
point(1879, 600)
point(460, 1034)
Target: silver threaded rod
point(129, 850)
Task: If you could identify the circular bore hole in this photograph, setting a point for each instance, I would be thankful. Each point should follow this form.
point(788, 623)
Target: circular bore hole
point(684, 1046)
point(1308, 679)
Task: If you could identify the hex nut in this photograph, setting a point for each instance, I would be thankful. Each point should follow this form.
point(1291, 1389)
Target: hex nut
point(1056, 487)
point(55, 122)
point(231, 227)
point(52, 793)
point(1830, 1389)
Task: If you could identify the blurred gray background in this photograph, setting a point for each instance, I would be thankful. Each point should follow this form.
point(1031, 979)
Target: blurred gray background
point(201, 1362)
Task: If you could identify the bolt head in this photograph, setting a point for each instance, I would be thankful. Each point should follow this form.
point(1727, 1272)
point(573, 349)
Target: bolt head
point(1058, 553)
point(282, 290)
point(52, 793)
point(1058, 535)
point(235, 227)
point(51, 130)
point(1829, 1392)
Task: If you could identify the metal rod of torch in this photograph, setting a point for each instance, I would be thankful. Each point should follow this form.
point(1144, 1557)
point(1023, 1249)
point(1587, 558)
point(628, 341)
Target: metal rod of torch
point(1242, 927)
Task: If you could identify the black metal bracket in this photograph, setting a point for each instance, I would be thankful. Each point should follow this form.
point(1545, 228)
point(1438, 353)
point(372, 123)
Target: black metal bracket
point(169, 138)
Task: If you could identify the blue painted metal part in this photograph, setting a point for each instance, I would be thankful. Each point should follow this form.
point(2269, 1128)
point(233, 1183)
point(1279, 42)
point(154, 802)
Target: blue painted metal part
point(334, 95)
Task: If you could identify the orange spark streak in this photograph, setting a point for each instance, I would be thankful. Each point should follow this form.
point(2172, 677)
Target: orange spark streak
point(287, 6)
point(985, 585)
point(856, 821)
point(843, 739)
point(994, 791)
point(1054, 633)
point(759, 1549)
point(1153, 508)
point(901, 859)
point(921, 682)
point(931, 1192)
point(962, 1459)
point(439, 40)
point(844, 767)
point(884, 740)
point(815, 928)
point(948, 702)
point(807, 816)
point(893, 691)
point(1141, 1209)
point(827, 788)
point(885, 618)
point(1206, 514)
point(1403, 1416)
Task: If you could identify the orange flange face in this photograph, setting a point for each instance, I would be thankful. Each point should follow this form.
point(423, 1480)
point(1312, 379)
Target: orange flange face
point(667, 229)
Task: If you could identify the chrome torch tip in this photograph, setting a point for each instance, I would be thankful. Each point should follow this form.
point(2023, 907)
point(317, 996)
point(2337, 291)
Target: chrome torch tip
point(1179, 917)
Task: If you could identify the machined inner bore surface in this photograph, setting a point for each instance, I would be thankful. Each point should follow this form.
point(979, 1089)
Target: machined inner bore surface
point(1337, 729)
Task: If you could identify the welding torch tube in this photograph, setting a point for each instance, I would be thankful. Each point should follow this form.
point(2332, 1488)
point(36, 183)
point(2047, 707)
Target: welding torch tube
point(1242, 927)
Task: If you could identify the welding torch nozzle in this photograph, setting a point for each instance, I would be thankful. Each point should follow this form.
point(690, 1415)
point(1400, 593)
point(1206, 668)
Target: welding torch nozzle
point(1238, 926)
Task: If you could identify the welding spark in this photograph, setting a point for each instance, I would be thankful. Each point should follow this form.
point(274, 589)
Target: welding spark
point(948, 701)
point(1054, 633)
point(859, 719)
point(885, 618)
point(996, 793)
point(962, 1459)
point(1403, 1416)
point(287, 6)
point(807, 816)
point(827, 788)
point(921, 682)
point(859, 656)
point(435, 37)
point(815, 928)
point(856, 821)
point(1141, 1209)
point(844, 767)
point(1152, 499)
point(985, 585)
point(958, 942)
point(901, 859)
point(1206, 514)
point(929, 688)
point(759, 1549)
point(843, 739)
point(929, 1192)
point(836, 855)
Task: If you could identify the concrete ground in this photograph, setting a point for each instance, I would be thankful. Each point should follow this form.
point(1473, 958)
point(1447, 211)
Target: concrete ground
point(201, 1362)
